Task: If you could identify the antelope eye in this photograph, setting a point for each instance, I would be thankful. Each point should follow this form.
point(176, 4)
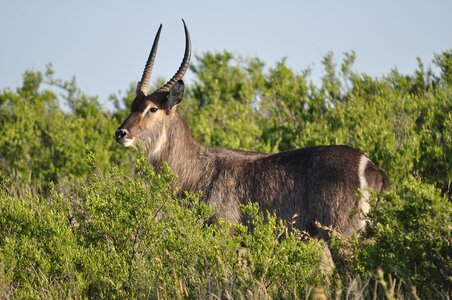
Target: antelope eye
point(153, 109)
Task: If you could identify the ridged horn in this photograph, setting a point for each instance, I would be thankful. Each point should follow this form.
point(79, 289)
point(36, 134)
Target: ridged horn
point(183, 66)
point(143, 84)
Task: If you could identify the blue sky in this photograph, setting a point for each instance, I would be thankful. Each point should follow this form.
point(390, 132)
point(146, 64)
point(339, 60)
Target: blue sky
point(104, 44)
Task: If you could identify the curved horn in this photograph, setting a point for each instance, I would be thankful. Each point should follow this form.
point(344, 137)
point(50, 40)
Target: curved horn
point(183, 66)
point(143, 84)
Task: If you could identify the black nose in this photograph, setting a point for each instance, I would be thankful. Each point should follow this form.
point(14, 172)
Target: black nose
point(120, 134)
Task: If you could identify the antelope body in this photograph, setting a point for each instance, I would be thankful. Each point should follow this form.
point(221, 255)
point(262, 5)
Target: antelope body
point(325, 184)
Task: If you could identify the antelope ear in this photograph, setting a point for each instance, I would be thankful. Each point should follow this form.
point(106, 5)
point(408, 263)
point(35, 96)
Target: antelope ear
point(176, 93)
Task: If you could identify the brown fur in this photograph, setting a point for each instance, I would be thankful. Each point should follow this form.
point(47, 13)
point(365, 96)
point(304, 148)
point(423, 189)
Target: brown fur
point(319, 184)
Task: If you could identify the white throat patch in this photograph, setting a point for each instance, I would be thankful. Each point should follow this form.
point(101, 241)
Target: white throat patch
point(159, 144)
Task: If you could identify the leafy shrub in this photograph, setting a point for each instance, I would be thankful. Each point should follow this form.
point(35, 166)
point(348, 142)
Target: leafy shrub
point(408, 236)
point(122, 237)
point(41, 144)
point(79, 218)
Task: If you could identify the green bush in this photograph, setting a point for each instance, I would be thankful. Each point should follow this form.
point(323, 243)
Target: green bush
point(80, 217)
point(40, 143)
point(408, 236)
point(122, 237)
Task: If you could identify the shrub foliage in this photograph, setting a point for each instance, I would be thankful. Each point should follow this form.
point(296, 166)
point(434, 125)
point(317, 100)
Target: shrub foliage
point(81, 217)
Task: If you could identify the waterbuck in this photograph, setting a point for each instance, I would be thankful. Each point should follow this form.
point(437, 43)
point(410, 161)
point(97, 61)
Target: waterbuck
point(326, 184)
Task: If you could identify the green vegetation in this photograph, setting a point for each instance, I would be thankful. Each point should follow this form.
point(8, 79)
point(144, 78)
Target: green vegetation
point(81, 217)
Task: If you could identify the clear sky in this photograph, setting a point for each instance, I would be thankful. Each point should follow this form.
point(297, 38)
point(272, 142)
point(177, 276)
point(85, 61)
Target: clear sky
point(105, 44)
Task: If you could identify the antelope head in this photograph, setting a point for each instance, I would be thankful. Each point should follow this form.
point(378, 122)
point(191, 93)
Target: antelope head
point(151, 114)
